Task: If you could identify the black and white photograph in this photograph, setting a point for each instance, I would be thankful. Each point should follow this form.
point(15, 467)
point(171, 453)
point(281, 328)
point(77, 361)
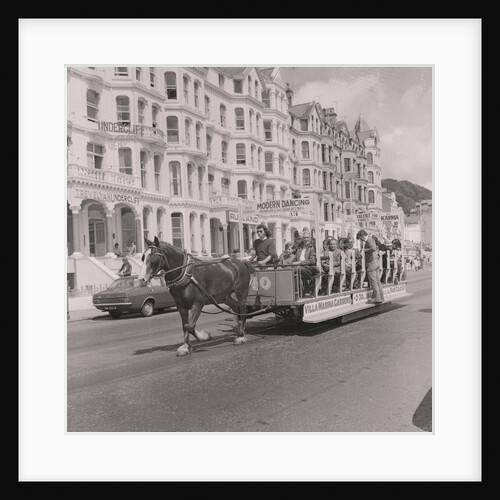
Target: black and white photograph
point(250, 254)
point(245, 217)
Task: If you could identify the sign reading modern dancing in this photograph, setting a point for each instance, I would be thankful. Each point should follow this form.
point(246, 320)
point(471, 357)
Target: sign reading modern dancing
point(294, 206)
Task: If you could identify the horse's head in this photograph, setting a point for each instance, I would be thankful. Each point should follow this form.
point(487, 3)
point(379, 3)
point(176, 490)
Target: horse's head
point(153, 259)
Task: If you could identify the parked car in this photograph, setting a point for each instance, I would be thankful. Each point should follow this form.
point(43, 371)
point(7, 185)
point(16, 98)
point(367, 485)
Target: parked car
point(129, 295)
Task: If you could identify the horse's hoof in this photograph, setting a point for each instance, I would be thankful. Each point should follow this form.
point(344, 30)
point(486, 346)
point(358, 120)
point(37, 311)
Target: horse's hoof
point(183, 350)
point(202, 335)
point(240, 340)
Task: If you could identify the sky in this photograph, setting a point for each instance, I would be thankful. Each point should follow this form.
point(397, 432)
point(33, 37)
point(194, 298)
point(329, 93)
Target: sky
point(396, 100)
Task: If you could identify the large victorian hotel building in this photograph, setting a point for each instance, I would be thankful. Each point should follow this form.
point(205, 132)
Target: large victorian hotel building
point(199, 156)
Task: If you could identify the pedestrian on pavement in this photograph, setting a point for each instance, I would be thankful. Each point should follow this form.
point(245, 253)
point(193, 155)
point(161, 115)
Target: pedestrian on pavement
point(372, 265)
point(117, 250)
point(126, 269)
point(132, 249)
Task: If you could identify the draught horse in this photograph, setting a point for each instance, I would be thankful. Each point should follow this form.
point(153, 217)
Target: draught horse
point(196, 282)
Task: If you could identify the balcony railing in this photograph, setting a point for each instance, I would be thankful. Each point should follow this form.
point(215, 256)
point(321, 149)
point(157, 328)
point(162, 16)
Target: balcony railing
point(224, 201)
point(78, 172)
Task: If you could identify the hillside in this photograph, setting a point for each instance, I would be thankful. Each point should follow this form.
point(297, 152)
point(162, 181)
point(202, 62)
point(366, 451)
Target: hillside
point(407, 193)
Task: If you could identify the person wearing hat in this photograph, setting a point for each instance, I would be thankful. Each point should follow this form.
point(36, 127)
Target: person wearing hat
point(305, 257)
point(372, 265)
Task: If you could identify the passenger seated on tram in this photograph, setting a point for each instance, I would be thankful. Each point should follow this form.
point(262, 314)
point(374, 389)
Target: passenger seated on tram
point(351, 250)
point(287, 257)
point(325, 264)
point(339, 254)
point(305, 257)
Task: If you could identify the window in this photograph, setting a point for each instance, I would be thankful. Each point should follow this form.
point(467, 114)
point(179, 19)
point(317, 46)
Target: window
point(359, 170)
point(265, 99)
point(325, 211)
point(240, 154)
point(304, 124)
point(347, 190)
point(242, 189)
point(92, 103)
point(197, 94)
point(207, 107)
point(305, 150)
point(177, 230)
point(294, 147)
point(187, 132)
point(240, 118)
point(268, 132)
point(121, 71)
point(369, 159)
point(238, 87)
point(138, 74)
point(141, 106)
point(371, 197)
point(125, 160)
point(306, 177)
point(347, 164)
point(123, 110)
point(222, 115)
point(186, 89)
point(157, 167)
point(224, 151)
point(209, 145)
point(95, 155)
point(295, 175)
point(154, 117)
point(152, 77)
point(221, 81)
point(200, 183)
point(370, 177)
point(250, 119)
point(281, 164)
point(190, 180)
point(268, 162)
point(143, 170)
point(325, 178)
point(198, 136)
point(172, 129)
point(269, 193)
point(224, 184)
point(171, 85)
point(256, 90)
point(175, 178)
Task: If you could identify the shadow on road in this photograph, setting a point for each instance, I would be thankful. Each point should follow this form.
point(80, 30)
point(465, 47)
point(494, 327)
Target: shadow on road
point(422, 418)
point(198, 346)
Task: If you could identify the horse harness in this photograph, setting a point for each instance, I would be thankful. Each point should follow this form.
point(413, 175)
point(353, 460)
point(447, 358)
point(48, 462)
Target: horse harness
point(187, 277)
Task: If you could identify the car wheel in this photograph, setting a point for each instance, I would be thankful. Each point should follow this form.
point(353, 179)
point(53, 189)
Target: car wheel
point(115, 314)
point(147, 308)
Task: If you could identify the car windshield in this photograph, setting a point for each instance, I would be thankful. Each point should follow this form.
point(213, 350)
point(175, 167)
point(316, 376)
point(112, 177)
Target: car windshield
point(126, 283)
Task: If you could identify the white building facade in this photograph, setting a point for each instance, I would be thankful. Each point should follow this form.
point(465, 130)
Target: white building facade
point(199, 156)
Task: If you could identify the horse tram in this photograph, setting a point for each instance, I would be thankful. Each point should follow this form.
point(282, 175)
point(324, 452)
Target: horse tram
point(342, 295)
point(250, 290)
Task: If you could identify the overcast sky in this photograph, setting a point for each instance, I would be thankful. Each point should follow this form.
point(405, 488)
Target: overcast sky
point(395, 100)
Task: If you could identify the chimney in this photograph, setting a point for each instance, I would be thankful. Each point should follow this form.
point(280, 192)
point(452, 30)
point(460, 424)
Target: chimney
point(330, 113)
point(289, 94)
